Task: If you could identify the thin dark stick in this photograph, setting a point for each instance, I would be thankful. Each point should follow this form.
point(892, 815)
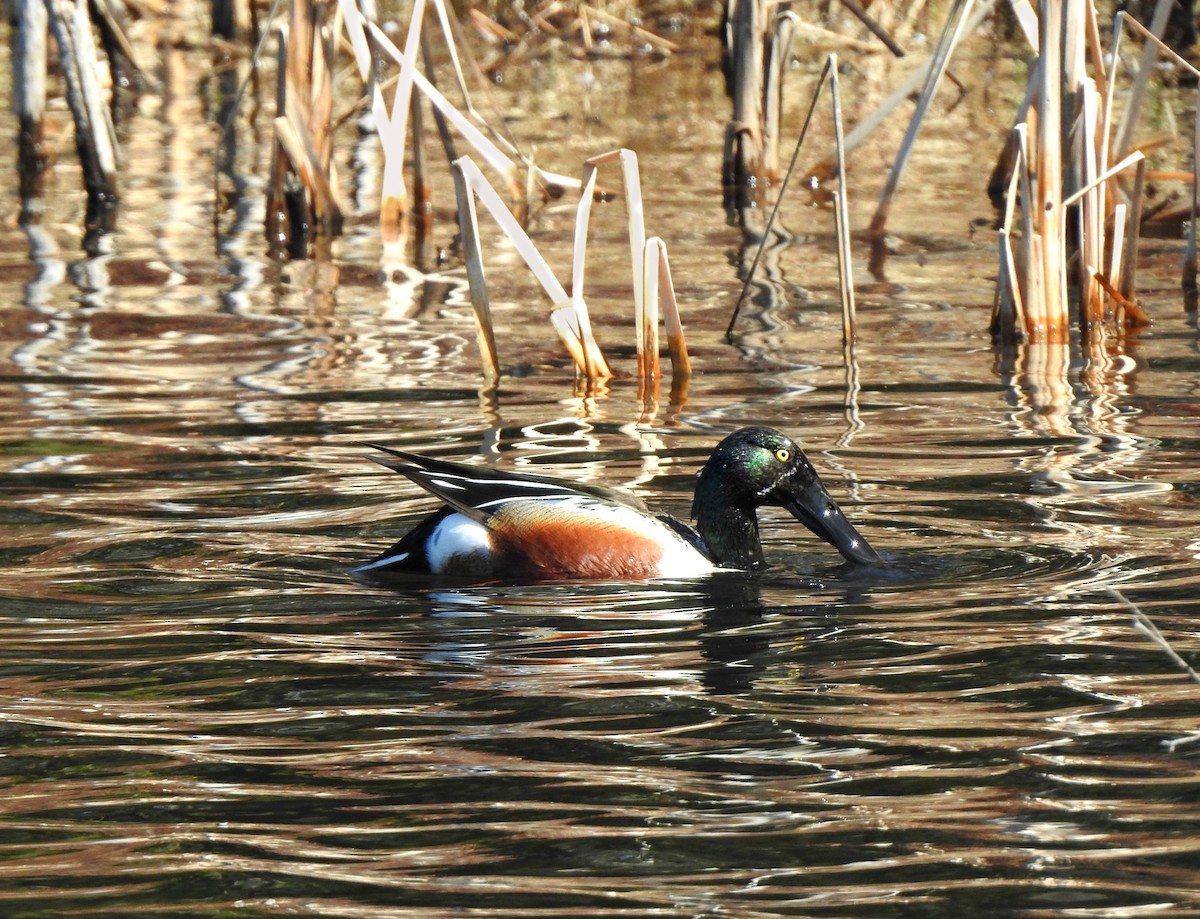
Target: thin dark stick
point(874, 27)
point(812, 106)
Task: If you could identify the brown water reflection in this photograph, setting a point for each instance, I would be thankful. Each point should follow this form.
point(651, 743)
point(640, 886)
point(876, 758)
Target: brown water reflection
point(202, 713)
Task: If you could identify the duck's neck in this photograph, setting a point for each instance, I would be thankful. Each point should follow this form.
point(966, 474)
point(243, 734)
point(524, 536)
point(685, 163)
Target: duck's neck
point(728, 530)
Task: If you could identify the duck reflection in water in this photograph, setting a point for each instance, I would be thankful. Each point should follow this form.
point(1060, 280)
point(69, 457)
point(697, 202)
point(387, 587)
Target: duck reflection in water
point(709, 636)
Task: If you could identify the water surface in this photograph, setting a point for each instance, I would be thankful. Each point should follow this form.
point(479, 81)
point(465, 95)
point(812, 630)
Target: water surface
point(203, 714)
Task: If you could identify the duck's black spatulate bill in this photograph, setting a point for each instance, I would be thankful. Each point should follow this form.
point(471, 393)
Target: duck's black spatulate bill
point(812, 505)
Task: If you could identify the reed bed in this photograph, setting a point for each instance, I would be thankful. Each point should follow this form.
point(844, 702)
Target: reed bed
point(1071, 182)
point(1071, 220)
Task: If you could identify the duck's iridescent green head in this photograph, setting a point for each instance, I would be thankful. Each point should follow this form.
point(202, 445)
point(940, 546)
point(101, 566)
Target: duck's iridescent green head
point(756, 466)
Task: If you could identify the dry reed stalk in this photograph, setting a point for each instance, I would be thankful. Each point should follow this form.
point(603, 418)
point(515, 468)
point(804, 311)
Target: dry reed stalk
point(465, 123)
point(1133, 225)
point(1008, 316)
point(840, 209)
point(660, 300)
point(422, 197)
point(468, 223)
point(951, 33)
point(569, 316)
point(95, 137)
point(681, 363)
point(874, 27)
point(842, 216)
point(1141, 80)
point(393, 205)
point(1046, 315)
point(392, 212)
point(112, 22)
point(778, 52)
point(392, 125)
point(648, 360)
point(302, 199)
point(29, 102)
point(648, 267)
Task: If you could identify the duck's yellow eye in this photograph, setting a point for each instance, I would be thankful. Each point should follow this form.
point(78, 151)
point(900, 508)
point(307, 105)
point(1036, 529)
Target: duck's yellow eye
point(783, 455)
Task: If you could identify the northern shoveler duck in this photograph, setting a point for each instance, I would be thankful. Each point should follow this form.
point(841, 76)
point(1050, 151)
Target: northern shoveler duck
point(506, 525)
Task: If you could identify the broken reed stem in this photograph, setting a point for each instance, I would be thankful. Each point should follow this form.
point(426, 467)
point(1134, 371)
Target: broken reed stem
point(1047, 315)
point(1133, 233)
point(744, 150)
